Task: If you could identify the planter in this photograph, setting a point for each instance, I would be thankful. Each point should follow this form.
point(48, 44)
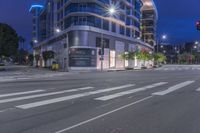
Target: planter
point(128, 68)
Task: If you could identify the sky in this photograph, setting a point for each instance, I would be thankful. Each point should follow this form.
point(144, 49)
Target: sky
point(176, 18)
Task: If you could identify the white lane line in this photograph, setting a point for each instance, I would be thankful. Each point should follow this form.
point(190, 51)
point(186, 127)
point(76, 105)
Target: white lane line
point(56, 100)
point(173, 88)
point(103, 115)
point(20, 93)
point(109, 97)
point(42, 95)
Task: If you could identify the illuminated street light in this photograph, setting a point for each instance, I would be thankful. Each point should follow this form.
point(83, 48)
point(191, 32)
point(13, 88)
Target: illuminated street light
point(35, 41)
point(57, 30)
point(164, 37)
point(195, 47)
point(66, 59)
point(196, 42)
point(112, 10)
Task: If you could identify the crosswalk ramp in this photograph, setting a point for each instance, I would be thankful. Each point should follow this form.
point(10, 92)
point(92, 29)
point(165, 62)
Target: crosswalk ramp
point(41, 98)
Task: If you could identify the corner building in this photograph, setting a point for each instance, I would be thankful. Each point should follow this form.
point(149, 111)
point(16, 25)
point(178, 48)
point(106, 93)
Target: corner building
point(83, 24)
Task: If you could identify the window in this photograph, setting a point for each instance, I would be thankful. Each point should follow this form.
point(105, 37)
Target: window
point(113, 27)
point(122, 30)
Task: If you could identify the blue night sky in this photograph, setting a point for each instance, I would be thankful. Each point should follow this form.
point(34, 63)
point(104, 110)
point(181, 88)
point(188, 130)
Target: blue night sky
point(176, 18)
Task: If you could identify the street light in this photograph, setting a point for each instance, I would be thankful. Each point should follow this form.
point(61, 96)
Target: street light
point(164, 37)
point(57, 30)
point(35, 41)
point(111, 11)
point(66, 59)
point(196, 42)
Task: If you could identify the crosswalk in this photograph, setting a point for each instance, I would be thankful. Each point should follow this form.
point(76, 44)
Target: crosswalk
point(29, 99)
point(178, 68)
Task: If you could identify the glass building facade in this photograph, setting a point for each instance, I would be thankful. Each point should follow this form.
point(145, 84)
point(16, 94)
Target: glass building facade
point(84, 24)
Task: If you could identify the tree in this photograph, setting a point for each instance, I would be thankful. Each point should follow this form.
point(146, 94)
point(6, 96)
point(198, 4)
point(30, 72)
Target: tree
point(144, 55)
point(8, 41)
point(186, 58)
point(128, 56)
point(37, 58)
point(47, 55)
point(22, 54)
point(159, 57)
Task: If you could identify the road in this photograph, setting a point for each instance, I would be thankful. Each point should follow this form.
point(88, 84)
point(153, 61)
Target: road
point(152, 101)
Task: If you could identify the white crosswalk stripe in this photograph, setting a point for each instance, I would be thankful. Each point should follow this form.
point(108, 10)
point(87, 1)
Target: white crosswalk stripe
point(42, 95)
point(198, 89)
point(173, 88)
point(65, 95)
point(66, 98)
point(20, 93)
point(178, 68)
point(109, 97)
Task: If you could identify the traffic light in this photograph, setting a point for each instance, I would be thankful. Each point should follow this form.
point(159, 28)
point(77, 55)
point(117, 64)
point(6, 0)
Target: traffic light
point(198, 25)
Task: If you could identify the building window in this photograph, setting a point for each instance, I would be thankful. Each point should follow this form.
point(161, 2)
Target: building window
point(105, 25)
point(113, 27)
point(122, 30)
point(128, 32)
point(105, 42)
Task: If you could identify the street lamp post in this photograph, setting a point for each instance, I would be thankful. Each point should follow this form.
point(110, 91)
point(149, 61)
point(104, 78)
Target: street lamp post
point(111, 12)
point(66, 47)
point(164, 37)
point(102, 46)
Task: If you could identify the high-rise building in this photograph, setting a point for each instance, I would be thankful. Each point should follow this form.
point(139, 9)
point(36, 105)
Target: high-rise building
point(149, 22)
point(36, 10)
point(78, 30)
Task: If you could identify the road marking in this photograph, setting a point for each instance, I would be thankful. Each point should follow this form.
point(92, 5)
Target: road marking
point(173, 88)
point(103, 115)
point(109, 97)
point(56, 100)
point(198, 89)
point(42, 95)
point(5, 110)
point(20, 93)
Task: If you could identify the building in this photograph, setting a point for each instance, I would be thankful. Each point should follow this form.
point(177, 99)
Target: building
point(36, 10)
point(149, 22)
point(79, 31)
point(172, 51)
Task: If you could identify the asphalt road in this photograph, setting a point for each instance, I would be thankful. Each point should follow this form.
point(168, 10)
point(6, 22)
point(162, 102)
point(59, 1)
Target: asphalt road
point(166, 100)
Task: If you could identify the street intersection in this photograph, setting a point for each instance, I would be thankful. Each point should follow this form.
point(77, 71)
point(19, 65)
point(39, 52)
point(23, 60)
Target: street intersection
point(151, 101)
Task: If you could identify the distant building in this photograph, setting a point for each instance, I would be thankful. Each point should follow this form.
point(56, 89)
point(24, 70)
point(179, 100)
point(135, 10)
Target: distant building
point(83, 24)
point(173, 50)
point(36, 10)
point(149, 22)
